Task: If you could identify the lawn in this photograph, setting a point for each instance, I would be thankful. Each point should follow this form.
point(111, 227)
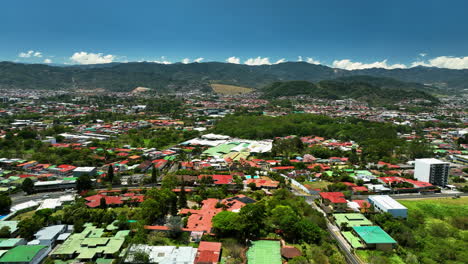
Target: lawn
point(229, 89)
point(375, 256)
point(24, 215)
point(317, 184)
point(439, 207)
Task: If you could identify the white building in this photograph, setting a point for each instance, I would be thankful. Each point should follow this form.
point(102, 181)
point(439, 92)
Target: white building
point(48, 235)
point(387, 204)
point(164, 254)
point(433, 171)
point(91, 171)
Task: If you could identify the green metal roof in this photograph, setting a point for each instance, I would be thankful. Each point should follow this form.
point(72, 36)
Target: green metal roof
point(87, 244)
point(104, 261)
point(373, 235)
point(353, 219)
point(352, 239)
point(9, 242)
point(23, 253)
point(70, 178)
point(264, 252)
point(170, 158)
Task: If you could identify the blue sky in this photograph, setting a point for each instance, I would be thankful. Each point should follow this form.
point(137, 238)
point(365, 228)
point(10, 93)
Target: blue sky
point(341, 33)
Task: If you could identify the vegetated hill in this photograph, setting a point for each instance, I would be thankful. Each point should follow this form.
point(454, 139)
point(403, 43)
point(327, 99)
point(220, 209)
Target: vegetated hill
point(370, 89)
point(178, 76)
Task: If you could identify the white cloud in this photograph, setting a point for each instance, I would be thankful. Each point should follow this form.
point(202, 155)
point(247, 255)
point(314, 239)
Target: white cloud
point(299, 58)
point(448, 62)
point(233, 59)
point(280, 61)
point(91, 58)
point(29, 54)
point(161, 61)
point(47, 61)
point(258, 61)
point(186, 60)
point(312, 61)
point(422, 54)
point(198, 60)
point(350, 65)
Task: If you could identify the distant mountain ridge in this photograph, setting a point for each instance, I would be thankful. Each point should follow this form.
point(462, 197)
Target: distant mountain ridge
point(178, 76)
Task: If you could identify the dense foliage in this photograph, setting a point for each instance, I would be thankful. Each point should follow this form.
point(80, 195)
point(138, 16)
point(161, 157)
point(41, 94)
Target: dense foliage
point(372, 90)
point(377, 140)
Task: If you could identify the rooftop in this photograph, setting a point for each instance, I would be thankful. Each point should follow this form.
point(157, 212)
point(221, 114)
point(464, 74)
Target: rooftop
point(430, 161)
point(22, 253)
point(386, 201)
point(352, 220)
point(373, 235)
point(87, 244)
point(334, 197)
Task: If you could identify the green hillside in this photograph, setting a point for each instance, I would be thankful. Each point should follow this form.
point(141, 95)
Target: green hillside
point(371, 89)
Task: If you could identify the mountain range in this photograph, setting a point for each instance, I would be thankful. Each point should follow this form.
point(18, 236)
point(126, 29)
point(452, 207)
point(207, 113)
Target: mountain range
point(178, 76)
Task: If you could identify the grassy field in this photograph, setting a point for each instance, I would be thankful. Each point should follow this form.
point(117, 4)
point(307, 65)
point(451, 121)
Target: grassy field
point(439, 229)
point(439, 207)
point(318, 184)
point(24, 215)
point(229, 89)
point(375, 256)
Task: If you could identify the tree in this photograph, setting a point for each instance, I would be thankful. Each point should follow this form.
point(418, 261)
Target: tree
point(170, 182)
point(84, 183)
point(252, 219)
point(175, 226)
point(28, 186)
point(284, 218)
point(182, 196)
point(308, 231)
point(5, 232)
point(173, 208)
point(28, 227)
point(5, 204)
point(102, 203)
point(252, 186)
point(140, 257)
point(110, 173)
point(227, 223)
point(157, 204)
point(299, 260)
point(154, 175)
point(78, 226)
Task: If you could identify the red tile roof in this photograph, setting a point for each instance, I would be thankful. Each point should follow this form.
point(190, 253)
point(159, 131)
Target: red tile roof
point(263, 183)
point(333, 197)
point(360, 189)
point(283, 168)
point(208, 253)
point(200, 220)
point(219, 178)
point(362, 203)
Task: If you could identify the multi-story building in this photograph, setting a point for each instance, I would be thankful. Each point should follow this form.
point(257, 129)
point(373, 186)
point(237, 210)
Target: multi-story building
point(433, 171)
